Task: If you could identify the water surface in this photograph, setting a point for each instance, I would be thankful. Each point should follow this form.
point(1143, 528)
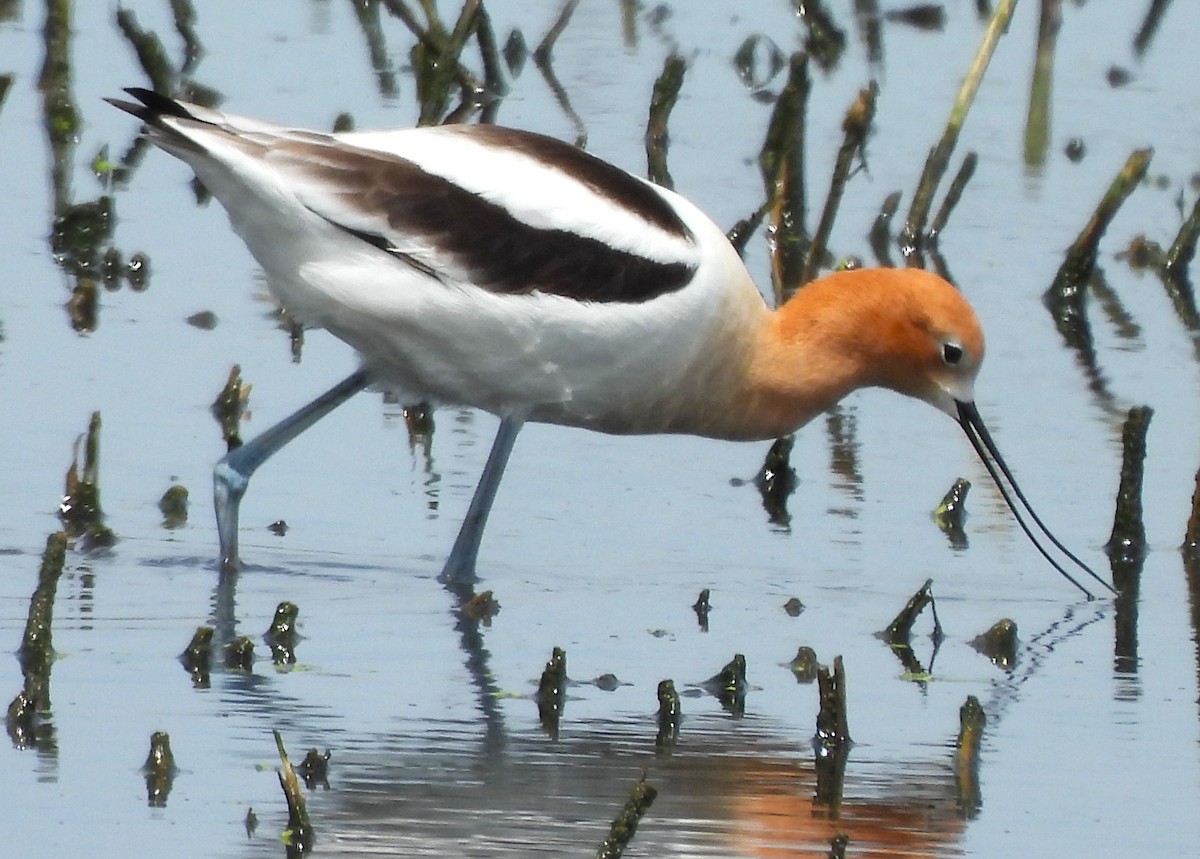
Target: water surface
point(600, 545)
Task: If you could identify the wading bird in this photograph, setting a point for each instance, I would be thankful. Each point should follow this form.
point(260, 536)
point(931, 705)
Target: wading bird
point(508, 271)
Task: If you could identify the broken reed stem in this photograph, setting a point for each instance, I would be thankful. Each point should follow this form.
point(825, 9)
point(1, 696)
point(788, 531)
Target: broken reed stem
point(299, 833)
point(662, 102)
point(1080, 261)
point(971, 722)
point(880, 236)
point(1149, 26)
point(782, 164)
point(1037, 122)
point(489, 53)
point(551, 693)
point(899, 630)
point(625, 824)
point(151, 54)
point(1179, 257)
point(1191, 537)
point(1128, 538)
point(36, 653)
point(939, 156)
point(543, 51)
point(833, 729)
point(856, 125)
point(436, 58)
point(668, 715)
point(185, 26)
point(953, 195)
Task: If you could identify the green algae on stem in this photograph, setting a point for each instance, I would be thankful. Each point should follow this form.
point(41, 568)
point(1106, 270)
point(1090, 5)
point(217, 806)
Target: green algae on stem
point(299, 834)
point(1128, 537)
point(971, 722)
point(939, 155)
point(625, 824)
point(159, 770)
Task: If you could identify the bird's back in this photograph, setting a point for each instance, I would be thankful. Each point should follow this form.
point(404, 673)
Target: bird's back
point(483, 266)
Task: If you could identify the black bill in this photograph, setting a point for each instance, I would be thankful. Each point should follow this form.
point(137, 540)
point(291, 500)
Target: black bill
point(981, 440)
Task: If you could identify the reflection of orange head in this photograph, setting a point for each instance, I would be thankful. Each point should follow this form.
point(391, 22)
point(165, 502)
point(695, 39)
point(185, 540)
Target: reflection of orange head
point(774, 814)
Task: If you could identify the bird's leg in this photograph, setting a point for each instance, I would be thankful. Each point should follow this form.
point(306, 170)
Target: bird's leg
point(460, 566)
point(232, 473)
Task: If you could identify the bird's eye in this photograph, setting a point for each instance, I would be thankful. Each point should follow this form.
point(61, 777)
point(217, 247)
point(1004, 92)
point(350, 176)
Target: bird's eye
point(952, 353)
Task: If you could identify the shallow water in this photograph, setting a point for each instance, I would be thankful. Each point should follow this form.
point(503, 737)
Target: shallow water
point(600, 545)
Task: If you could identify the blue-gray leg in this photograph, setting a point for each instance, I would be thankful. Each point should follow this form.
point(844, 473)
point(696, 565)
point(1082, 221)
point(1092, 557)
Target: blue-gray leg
point(460, 566)
point(232, 474)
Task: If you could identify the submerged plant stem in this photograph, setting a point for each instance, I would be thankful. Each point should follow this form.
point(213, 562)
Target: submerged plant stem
point(1080, 261)
point(856, 125)
point(624, 826)
point(1128, 539)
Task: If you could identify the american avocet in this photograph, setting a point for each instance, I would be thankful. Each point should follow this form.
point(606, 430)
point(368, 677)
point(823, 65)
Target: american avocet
point(493, 268)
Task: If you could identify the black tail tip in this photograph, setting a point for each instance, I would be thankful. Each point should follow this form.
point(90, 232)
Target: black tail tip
point(153, 105)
